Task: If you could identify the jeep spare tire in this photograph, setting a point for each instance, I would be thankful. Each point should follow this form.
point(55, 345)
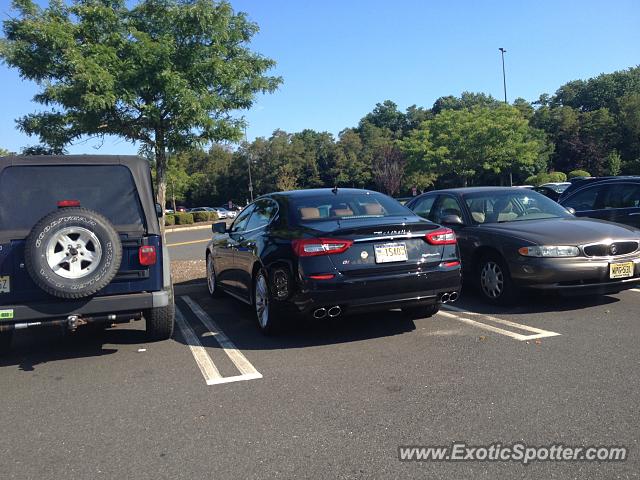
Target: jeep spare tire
point(73, 253)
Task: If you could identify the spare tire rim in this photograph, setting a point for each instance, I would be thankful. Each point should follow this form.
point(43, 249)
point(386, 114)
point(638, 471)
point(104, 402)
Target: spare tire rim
point(73, 252)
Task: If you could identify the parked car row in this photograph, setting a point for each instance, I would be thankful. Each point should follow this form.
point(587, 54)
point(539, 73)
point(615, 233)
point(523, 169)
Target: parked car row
point(222, 212)
point(94, 254)
point(329, 252)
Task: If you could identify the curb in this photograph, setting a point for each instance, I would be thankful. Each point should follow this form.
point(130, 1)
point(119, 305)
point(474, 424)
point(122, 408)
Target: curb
point(186, 229)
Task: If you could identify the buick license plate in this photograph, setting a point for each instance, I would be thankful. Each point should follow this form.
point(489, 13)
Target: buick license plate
point(621, 270)
point(390, 252)
point(5, 284)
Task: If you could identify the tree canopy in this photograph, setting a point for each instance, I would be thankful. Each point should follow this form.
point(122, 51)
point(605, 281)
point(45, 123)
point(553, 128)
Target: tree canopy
point(166, 73)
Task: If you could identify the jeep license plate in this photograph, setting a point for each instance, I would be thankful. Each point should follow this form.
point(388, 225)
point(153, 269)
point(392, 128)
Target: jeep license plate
point(621, 270)
point(5, 284)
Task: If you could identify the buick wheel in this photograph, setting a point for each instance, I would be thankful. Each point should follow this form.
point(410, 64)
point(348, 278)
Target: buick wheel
point(495, 281)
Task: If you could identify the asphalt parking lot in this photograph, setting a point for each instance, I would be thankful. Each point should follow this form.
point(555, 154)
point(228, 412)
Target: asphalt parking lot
point(324, 400)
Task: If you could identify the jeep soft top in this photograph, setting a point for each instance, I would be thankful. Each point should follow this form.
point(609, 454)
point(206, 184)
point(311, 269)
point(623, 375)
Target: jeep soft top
point(80, 242)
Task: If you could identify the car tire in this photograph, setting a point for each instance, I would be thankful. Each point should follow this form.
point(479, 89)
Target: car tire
point(73, 253)
point(5, 341)
point(424, 311)
point(494, 280)
point(264, 306)
point(161, 320)
point(212, 281)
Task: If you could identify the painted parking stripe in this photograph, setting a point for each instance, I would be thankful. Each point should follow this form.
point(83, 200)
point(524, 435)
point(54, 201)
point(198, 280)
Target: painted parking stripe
point(202, 358)
point(538, 332)
point(637, 290)
point(247, 370)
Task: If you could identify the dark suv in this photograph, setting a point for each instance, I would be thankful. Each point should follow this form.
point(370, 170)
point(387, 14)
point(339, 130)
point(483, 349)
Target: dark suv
point(80, 243)
point(616, 199)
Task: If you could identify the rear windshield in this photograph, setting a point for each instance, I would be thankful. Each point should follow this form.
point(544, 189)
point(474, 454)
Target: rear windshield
point(28, 193)
point(345, 206)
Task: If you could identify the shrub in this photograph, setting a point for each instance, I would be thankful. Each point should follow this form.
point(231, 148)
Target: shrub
point(557, 177)
point(213, 216)
point(200, 216)
point(578, 173)
point(170, 220)
point(184, 218)
point(538, 179)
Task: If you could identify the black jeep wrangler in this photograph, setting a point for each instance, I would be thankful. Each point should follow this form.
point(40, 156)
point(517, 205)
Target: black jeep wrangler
point(80, 243)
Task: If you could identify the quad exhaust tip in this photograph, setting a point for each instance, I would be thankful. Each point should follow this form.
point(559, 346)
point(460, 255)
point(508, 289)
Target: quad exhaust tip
point(323, 312)
point(449, 297)
point(320, 313)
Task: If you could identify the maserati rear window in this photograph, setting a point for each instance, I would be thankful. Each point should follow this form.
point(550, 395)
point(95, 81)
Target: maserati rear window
point(346, 206)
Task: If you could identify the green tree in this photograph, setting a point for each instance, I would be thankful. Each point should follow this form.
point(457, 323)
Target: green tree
point(614, 163)
point(465, 143)
point(166, 73)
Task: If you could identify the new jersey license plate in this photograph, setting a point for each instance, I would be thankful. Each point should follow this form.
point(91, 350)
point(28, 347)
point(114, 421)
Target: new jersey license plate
point(5, 284)
point(390, 252)
point(621, 270)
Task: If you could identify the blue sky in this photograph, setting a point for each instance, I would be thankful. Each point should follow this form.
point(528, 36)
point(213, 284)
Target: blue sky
point(339, 58)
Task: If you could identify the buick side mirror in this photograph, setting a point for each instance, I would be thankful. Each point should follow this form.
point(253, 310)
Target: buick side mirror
point(219, 227)
point(451, 220)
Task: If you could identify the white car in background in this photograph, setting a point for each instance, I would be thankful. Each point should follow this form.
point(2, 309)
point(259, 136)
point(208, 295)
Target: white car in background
point(228, 213)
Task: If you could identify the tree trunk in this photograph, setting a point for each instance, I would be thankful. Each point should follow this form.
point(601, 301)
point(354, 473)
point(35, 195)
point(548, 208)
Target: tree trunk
point(161, 172)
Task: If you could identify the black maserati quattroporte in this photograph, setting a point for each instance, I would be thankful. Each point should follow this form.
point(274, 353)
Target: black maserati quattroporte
point(329, 252)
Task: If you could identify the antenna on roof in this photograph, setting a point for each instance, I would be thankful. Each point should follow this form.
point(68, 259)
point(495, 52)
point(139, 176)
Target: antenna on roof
point(334, 190)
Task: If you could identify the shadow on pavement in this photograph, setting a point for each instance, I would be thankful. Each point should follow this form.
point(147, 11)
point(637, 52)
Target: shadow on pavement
point(531, 303)
point(237, 321)
point(31, 348)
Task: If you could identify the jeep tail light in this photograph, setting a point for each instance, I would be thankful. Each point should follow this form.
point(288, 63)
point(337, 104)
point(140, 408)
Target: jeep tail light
point(441, 236)
point(147, 255)
point(68, 203)
point(311, 247)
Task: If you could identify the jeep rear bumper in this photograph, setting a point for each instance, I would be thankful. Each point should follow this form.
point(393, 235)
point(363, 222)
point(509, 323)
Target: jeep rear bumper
point(94, 306)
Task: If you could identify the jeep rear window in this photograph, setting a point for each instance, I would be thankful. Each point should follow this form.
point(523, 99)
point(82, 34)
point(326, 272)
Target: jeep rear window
point(28, 193)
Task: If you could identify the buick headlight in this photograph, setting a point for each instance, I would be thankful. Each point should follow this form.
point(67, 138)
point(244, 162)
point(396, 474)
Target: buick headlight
point(549, 251)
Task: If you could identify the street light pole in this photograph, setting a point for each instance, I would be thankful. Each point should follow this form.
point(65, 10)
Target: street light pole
point(504, 84)
point(248, 164)
point(504, 77)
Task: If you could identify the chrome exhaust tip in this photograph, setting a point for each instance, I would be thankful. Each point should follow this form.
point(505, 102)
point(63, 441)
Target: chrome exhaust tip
point(320, 313)
point(444, 298)
point(334, 311)
point(453, 296)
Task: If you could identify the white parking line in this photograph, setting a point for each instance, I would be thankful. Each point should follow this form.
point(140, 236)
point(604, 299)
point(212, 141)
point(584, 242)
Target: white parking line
point(247, 370)
point(538, 332)
point(202, 358)
point(635, 290)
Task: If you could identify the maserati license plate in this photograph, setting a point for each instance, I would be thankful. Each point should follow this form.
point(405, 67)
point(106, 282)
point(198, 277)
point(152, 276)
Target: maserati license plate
point(390, 252)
